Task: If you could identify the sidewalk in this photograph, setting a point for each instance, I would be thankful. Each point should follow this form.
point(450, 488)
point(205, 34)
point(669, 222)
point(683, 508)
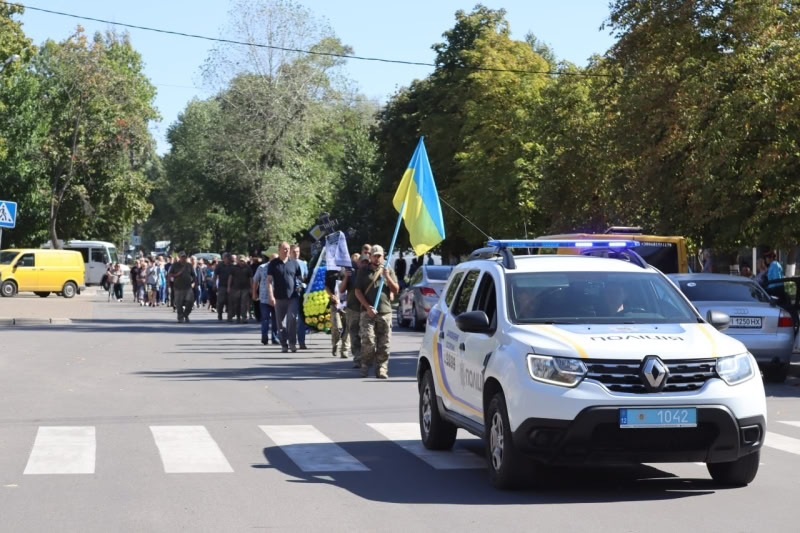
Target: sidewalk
point(27, 307)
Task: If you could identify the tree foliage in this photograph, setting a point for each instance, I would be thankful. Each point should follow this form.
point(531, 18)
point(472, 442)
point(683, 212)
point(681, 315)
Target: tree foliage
point(74, 146)
point(276, 145)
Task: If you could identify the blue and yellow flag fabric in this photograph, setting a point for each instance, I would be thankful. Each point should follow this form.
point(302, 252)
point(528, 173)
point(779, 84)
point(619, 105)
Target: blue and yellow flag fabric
point(418, 203)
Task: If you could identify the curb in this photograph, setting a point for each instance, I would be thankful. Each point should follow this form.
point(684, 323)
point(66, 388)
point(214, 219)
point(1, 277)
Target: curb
point(34, 321)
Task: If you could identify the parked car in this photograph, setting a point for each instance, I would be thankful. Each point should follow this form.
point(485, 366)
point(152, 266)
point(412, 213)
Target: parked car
point(422, 293)
point(757, 321)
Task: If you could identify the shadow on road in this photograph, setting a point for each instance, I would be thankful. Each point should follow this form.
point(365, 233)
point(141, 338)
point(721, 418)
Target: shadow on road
point(143, 325)
point(289, 367)
point(406, 479)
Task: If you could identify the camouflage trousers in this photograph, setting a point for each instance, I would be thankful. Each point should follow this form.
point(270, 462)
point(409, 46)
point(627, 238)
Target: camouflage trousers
point(340, 334)
point(353, 322)
point(376, 334)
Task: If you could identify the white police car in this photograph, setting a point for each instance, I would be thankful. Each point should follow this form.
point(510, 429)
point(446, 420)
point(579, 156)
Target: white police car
point(590, 358)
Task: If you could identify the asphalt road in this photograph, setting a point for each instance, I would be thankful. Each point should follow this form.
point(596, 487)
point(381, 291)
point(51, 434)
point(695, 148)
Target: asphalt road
point(28, 307)
point(132, 422)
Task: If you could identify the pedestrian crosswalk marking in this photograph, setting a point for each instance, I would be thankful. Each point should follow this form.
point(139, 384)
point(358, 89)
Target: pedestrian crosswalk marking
point(189, 450)
point(63, 450)
point(311, 450)
point(779, 442)
point(406, 435)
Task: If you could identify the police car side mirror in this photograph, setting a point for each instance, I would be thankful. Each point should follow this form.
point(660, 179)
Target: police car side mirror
point(718, 319)
point(473, 322)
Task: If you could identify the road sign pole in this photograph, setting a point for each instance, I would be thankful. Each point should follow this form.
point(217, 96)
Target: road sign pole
point(1, 238)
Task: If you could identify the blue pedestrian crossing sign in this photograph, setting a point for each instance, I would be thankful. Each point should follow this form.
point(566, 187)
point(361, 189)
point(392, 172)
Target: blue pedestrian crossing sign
point(8, 214)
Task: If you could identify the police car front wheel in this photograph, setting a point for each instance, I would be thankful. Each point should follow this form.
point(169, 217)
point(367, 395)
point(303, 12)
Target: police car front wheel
point(738, 473)
point(436, 432)
point(508, 467)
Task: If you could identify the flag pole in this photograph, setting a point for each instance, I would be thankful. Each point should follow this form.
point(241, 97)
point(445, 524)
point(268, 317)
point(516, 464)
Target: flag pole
point(389, 253)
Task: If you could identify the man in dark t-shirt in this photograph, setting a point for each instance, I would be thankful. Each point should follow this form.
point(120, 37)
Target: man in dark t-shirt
point(183, 279)
point(353, 309)
point(282, 276)
point(255, 262)
point(239, 283)
point(220, 280)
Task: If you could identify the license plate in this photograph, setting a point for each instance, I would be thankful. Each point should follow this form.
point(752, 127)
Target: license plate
point(683, 417)
point(748, 322)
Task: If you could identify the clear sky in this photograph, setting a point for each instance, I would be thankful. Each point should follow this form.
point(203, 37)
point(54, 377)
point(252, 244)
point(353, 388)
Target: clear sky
point(376, 28)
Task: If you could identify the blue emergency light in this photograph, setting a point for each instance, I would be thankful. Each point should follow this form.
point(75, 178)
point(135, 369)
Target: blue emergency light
point(616, 249)
point(580, 243)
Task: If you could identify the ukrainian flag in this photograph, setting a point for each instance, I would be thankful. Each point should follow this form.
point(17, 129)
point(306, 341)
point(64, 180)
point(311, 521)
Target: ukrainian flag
point(418, 203)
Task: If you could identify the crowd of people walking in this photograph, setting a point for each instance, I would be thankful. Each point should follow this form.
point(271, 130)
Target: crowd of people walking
point(270, 292)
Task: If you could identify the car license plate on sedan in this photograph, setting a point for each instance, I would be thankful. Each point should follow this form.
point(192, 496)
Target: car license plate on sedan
point(748, 322)
point(683, 417)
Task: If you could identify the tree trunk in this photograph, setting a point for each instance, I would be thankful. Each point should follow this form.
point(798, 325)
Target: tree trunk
point(53, 236)
point(58, 196)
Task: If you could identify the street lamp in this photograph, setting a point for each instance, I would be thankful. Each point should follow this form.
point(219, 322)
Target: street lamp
point(8, 61)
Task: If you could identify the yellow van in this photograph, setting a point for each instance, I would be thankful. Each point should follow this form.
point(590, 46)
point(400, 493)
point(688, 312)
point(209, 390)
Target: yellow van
point(668, 254)
point(41, 272)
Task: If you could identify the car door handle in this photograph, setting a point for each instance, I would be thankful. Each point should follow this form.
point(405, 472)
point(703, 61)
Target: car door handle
point(441, 334)
point(462, 347)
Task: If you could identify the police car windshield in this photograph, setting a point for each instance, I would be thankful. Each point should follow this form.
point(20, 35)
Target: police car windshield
point(595, 298)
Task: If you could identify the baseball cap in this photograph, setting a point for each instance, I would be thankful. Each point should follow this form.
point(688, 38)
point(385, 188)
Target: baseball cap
point(182, 254)
point(377, 249)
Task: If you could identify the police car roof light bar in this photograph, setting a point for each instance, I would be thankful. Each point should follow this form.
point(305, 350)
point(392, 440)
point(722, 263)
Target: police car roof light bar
point(573, 243)
point(615, 249)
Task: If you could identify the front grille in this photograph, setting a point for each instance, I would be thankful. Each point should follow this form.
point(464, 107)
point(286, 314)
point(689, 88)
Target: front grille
point(623, 375)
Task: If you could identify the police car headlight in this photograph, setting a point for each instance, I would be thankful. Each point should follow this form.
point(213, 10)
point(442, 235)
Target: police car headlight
point(736, 368)
point(556, 370)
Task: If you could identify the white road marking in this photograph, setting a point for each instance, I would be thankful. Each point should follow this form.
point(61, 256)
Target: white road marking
point(189, 450)
point(406, 435)
point(63, 450)
point(779, 442)
point(311, 450)
point(790, 422)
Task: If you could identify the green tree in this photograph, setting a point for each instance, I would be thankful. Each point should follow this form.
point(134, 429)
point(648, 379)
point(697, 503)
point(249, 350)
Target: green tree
point(97, 147)
point(21, 130)
point(579, 162)
point(264, 156)
point(479, 127)
point(705, 116)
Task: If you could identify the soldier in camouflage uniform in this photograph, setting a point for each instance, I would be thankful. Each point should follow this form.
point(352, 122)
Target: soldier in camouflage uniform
point(353, 309)
point(375, 325)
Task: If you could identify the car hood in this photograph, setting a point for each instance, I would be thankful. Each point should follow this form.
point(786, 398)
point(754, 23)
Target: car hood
point(627, 341)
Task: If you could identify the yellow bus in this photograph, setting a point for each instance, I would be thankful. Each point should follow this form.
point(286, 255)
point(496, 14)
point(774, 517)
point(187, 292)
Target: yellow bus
point(668, 254)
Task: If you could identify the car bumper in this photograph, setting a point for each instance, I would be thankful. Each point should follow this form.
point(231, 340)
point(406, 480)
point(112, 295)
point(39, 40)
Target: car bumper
point(424, 305)
point(594, 437)
point(769, 348)
point(539, 400)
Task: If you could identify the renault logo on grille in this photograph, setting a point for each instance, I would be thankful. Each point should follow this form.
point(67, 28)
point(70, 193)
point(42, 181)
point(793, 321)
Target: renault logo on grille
point(654, 373)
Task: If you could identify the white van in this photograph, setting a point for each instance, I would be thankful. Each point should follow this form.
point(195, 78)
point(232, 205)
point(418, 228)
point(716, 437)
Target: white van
point(96, 256)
